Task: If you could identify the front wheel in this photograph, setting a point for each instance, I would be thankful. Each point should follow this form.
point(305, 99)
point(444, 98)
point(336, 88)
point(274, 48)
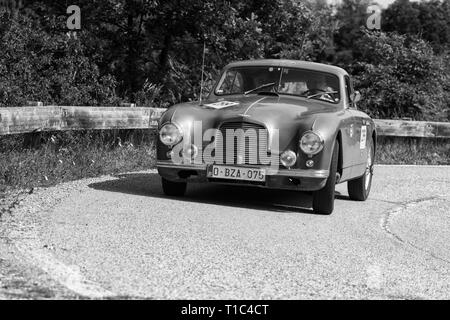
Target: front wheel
point(359, 189)
point(323, 200)
point(173, 189)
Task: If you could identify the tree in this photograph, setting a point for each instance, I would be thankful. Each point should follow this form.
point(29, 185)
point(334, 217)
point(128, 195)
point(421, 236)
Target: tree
point(429, 20)
point(36, 65)
point(351, 16)
point(401, 77)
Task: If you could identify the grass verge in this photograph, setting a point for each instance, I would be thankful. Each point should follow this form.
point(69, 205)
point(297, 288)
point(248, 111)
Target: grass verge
point(45, 159)
point(418, 151)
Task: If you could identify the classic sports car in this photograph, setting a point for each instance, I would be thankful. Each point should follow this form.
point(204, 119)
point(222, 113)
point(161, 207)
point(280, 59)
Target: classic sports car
point(272, 123)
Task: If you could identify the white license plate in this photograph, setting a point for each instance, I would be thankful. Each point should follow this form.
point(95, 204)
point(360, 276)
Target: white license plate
point(236, 173)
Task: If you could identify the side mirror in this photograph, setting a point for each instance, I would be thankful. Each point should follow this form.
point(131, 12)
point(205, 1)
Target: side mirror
point(356, 97)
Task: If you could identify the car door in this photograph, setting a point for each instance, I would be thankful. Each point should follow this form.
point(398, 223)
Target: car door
point(360, 132)
point(348, 136)
point(355, 122)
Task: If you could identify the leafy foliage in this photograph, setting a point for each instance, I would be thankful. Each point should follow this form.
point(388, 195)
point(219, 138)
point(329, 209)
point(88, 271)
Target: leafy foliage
point(39, 66)
point(351, 16)
point(427, 19)
point(150, 51)
point(400, 77)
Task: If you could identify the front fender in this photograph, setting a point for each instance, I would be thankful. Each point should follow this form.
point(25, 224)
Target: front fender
point(328, 126)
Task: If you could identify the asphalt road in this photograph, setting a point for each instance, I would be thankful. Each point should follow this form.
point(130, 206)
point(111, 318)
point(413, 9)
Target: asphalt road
point(121, 237)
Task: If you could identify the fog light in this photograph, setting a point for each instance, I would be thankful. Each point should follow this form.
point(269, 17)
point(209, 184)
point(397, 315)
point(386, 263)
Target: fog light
point(310, 163)
point(169, 154)
point(288, 158)
point(190, 152)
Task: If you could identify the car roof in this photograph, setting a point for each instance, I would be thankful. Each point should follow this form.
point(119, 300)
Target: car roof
point(289, 63)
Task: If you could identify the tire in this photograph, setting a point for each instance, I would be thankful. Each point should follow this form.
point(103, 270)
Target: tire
point(359, 189)
point(173, 189)
point(323, 200)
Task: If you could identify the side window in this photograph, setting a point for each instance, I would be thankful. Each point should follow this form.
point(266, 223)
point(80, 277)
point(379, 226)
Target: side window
point(232, 82)
point(238, 85)
point(348, 88)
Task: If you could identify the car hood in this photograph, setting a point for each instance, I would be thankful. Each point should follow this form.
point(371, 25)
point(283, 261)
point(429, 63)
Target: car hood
point(271, 111)
point(288, 115)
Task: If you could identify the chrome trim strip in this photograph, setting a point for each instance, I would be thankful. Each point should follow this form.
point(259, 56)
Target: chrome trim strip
point(300, 173)
point(185, 166)
point(254, 103)
point(305, 173)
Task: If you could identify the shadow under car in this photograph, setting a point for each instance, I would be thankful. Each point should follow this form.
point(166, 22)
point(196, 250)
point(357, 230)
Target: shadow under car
point(149, 184)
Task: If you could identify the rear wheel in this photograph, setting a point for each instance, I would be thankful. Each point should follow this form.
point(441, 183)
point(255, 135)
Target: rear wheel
point(174, 189)
point(359, 189)
point(323, 200)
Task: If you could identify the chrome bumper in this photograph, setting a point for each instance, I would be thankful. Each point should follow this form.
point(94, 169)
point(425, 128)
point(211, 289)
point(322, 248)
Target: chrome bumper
point(296, 173)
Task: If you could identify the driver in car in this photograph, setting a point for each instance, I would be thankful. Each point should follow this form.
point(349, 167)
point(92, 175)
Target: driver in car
point(319, 87)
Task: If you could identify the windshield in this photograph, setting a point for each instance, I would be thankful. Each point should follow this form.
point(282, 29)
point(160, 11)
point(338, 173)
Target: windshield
point(290, 81)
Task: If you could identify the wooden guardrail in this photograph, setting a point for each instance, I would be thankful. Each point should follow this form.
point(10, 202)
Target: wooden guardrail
point(59, 118)
point(421, 129)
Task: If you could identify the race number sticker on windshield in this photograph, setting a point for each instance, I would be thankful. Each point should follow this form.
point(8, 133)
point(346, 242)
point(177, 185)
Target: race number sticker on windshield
point(221, 104)
point(362, 142)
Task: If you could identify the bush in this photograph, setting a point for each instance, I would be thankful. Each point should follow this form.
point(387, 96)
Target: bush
point(36, 65)
point(400, 76)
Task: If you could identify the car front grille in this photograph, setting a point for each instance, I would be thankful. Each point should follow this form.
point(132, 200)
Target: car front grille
point(244, 143)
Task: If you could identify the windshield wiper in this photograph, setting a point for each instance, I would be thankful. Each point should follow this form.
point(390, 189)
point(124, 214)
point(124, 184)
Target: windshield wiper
point(320, 93)
point(260, 87)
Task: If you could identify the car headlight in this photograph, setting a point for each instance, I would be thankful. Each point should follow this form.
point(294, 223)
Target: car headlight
point(288, 158)
point(311, 143)
point(170, 134)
